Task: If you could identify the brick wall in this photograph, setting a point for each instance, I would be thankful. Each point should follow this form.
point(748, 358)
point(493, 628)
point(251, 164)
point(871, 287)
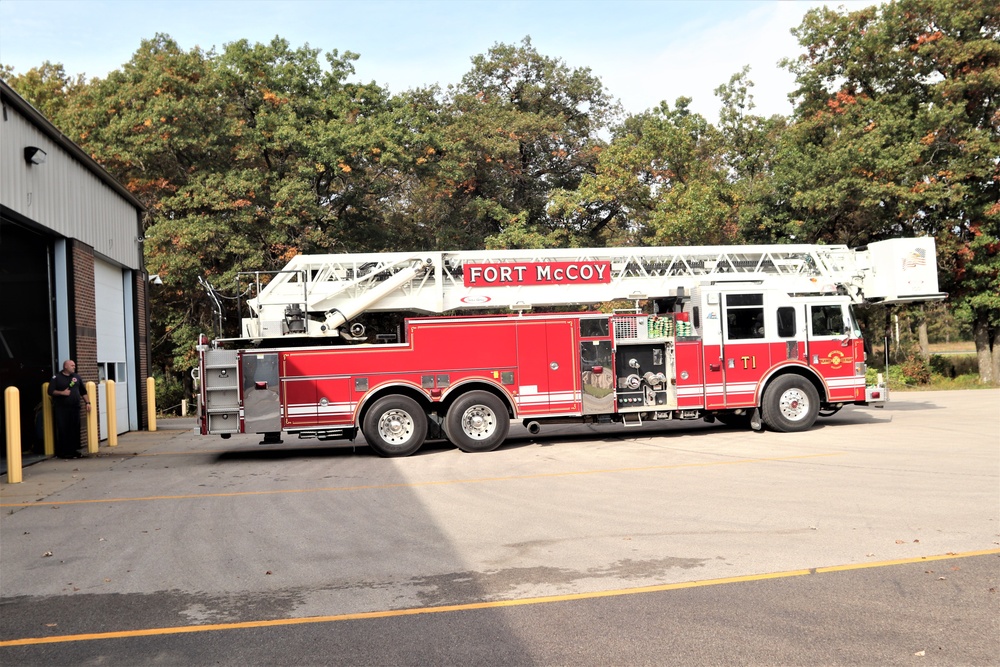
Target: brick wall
point(83, 316)
point(142, 347)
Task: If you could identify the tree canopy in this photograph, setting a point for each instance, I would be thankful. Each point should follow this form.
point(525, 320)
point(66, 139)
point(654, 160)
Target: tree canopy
point(250, 155)
point(897, 133)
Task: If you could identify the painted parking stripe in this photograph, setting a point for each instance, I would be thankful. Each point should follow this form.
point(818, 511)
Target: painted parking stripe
point(411, 485)
point(472, 606)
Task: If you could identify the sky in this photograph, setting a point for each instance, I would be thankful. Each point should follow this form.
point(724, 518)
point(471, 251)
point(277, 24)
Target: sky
point(644, 51)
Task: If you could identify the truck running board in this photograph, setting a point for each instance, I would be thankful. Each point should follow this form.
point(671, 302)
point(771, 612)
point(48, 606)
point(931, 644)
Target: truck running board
point(637, 422)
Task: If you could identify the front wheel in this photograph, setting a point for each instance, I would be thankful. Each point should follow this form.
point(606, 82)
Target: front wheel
point(477, 422)
point(395, 426)
point(791, 403)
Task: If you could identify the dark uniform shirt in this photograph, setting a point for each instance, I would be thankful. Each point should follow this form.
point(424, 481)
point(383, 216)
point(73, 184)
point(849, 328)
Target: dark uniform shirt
point(60, 382)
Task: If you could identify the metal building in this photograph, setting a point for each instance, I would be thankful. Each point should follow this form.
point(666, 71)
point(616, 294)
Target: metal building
point(72, 280)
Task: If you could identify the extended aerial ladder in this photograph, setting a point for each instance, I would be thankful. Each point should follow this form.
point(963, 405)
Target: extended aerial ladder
point(317, 295)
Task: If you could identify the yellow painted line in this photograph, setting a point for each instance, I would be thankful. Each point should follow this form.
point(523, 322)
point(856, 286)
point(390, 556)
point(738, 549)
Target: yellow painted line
point(903, 561)
point(412, 485)
point(473, 606)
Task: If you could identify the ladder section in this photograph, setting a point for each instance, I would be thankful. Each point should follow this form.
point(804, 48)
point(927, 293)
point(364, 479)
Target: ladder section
point(222, 391)
point(317, 294)
point(437, 282)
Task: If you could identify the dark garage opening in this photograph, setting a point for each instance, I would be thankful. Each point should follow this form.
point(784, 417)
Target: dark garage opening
point(26, 327)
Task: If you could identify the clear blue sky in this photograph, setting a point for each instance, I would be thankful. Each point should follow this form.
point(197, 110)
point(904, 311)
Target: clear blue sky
point(644, 51)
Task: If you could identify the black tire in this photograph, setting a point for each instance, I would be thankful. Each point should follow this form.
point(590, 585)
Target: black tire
point(395, 426)
point(791, 404)
point(477, 422)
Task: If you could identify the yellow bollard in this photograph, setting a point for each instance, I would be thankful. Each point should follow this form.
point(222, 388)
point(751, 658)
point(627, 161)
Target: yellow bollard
point(112, 399)
point(12, 404)
point(92, 432)
point(48, 430)
point(151, 402)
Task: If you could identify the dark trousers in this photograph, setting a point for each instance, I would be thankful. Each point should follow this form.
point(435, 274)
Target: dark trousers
point(67, 427)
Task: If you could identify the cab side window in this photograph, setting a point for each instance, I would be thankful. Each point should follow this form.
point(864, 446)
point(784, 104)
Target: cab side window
point(786, 322)
point(744, 316)
point(827, 321)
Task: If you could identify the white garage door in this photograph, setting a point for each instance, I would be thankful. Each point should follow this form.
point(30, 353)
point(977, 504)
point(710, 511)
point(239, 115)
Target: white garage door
point(111, 344)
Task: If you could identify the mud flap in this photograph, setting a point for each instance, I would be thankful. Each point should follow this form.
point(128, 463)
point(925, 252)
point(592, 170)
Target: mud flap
point(755, 422)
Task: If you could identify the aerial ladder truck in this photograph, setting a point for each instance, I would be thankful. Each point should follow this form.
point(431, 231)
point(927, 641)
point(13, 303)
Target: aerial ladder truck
point(754, 336)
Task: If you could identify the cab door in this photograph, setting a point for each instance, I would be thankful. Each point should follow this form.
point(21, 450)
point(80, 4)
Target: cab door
point(830, 350)
point(791, 326)
point(745, 350)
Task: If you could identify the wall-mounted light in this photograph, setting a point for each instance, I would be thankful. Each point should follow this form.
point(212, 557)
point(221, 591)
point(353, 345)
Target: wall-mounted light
point(34, 155)
point(155, 279)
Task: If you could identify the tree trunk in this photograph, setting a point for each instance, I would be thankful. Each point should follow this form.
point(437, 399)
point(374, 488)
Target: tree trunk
point(925, 348)
point(887, 337)
point(996, 356)
point(987, 351)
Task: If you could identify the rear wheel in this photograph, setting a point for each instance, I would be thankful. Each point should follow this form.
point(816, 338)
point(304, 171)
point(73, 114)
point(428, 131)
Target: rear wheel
point(791, 403)
point(477, 422)
point(395, 426)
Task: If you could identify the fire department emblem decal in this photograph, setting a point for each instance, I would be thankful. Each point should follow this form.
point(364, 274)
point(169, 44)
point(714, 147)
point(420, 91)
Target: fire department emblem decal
point(836, 359)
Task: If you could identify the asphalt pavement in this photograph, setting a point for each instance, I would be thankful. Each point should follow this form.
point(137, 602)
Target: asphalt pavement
point(871, 539)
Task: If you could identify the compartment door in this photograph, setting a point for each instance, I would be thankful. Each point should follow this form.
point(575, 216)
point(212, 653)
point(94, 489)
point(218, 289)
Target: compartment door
point(597, 377)
point(548, 375)
point(261, 404)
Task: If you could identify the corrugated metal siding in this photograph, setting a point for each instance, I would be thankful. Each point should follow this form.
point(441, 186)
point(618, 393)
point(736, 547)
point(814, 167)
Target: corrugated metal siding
point(64, 196)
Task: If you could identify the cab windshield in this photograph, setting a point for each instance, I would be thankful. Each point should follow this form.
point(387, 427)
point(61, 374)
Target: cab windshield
point(852, 323)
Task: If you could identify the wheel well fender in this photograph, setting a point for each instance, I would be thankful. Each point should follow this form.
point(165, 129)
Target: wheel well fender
point(389, 390)
point(802, 371)
point(463, 388)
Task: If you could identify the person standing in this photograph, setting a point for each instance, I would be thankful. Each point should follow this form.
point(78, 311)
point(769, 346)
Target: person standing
point(66, 390)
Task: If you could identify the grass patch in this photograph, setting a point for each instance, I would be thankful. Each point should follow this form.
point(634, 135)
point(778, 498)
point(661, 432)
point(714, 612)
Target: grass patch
point(963, 346)
point(941, 383)
point(941, 372)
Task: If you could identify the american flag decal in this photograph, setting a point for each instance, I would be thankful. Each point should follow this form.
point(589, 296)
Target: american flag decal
point(917, 257)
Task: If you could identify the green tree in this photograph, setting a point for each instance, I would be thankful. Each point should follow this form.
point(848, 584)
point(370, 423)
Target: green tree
point(896, 133)
point(519, 126)
point(661, 181)
point(750, 145)
point(156, 125)
point(244, 159)
point(46, 87)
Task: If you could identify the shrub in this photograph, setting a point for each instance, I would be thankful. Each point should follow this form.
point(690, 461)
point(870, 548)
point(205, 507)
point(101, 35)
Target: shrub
point(941, 372)
point(169, 392)
point(915, 371)
point(941, 366)
point(954, 365)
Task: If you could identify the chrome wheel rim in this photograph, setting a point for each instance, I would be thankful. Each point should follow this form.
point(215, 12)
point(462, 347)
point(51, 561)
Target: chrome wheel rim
point(794, 405)
point(479, 422)
point(396, 426)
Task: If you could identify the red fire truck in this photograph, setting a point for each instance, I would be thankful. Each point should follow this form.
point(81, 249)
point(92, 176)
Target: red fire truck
point(747, 335)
